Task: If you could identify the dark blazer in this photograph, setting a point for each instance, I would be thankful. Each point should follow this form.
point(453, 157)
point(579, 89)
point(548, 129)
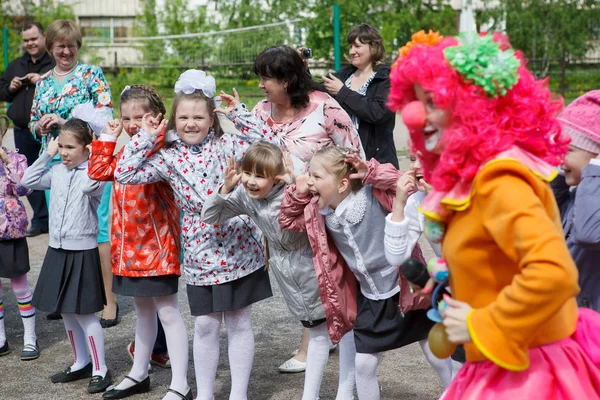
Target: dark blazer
point(21, 101)
point(376, 128)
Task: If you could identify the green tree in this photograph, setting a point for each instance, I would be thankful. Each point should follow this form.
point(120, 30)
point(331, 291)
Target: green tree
point(546, 30)
point(241, 48)
point(147, 25)
point(397, 20)
point(176, 17)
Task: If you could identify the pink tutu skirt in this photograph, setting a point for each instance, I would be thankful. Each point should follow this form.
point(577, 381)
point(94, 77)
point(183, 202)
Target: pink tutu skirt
point(565, 370)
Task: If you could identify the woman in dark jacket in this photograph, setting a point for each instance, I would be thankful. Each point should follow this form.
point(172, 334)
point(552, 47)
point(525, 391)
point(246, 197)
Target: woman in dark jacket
point(362, 89)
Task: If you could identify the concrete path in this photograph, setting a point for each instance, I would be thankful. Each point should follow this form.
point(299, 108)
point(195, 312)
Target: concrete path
point(403, 374)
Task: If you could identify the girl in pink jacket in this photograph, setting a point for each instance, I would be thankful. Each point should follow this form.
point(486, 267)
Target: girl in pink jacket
point(342, 204)
point(14, 253)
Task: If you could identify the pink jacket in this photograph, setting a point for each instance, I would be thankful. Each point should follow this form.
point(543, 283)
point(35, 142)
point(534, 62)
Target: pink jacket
point(337, 284)
point(13, 218)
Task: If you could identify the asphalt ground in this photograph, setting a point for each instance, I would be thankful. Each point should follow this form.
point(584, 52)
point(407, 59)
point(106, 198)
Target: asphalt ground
point(403, 373)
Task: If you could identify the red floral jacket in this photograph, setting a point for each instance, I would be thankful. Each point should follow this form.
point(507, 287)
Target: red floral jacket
point(145, 237)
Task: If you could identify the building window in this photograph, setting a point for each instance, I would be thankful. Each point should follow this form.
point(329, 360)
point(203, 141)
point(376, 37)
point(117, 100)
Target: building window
point(106, 28)
point(97, 28)
point(122, 27)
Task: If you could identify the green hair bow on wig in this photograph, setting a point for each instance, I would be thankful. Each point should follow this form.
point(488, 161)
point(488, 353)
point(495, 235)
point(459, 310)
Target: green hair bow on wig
point(481, 61)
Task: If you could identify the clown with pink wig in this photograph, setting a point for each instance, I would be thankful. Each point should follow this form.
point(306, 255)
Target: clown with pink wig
point(489, 140)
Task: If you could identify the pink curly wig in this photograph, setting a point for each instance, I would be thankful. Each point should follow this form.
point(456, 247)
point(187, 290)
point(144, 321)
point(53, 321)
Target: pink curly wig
point(481, 126)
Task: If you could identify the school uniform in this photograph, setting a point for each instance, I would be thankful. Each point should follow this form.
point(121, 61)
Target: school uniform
point(70, 280)
point(223, 264)
point(380, 326)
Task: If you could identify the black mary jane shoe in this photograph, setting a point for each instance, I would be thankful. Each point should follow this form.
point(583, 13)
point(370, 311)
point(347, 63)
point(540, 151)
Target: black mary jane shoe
point(69, 376)
point(107, 323)
point(188, 396)
point(139, 387)
point(4, 350)
point(99, 384)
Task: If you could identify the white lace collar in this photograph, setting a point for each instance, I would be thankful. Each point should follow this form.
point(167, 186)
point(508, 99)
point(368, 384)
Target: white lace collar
point(352, 209)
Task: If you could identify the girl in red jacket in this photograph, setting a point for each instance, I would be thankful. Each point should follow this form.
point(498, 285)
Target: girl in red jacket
point(145, 249)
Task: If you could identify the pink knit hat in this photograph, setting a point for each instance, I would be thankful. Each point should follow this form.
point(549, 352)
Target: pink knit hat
point(581, 121)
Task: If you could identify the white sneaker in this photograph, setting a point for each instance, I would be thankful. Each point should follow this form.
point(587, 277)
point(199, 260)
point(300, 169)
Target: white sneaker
point(292, 366)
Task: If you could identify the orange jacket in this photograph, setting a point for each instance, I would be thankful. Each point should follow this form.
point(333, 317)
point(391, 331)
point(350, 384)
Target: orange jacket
point(508, 259)
point(145, 224)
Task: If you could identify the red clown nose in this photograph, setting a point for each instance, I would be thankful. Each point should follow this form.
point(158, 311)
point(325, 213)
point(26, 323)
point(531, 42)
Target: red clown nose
point(413, 115)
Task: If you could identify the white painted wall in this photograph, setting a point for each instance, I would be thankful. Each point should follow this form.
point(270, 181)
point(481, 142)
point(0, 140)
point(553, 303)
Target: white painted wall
point(105, 8)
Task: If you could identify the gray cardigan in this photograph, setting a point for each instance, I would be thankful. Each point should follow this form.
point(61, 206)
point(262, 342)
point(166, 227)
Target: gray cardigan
point(290, 252)
point(73, 204)
point(580, 213)
point(357, 228)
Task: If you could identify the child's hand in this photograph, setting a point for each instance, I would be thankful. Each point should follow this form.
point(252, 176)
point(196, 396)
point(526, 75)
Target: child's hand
point(231, 176)
point(230, 101)
point(4, 156)
point(360, 165)
point(424, 186)
point(3, 127)
point(114, 128)
point(455, 320)
point(153, 125)
point(288, 165)
point(52, 147)
point(302, 189)
point(406, 185)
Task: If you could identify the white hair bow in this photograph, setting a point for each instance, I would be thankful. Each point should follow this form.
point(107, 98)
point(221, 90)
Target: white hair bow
point(195, 79)
point(125, 89)
point(97, 118)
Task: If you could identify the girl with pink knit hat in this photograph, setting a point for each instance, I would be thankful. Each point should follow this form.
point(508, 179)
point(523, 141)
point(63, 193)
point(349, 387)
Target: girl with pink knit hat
point(579, 207)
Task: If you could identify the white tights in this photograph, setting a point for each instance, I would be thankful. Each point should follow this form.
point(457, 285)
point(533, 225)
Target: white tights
point(316, 360)
point(82, 330)
point(240, 343)
point(367, 384)
point(446, 368)
point(145, 336)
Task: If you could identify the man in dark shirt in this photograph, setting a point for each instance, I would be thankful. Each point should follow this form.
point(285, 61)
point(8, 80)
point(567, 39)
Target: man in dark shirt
point(17, 87)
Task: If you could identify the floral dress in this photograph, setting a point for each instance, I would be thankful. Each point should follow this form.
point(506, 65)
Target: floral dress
point(322, 123)
point(213, 253)
point(85, 83)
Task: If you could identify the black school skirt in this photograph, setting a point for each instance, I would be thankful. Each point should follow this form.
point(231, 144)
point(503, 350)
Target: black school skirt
point(152, 286)
point(380, 326)
point(229, 296)
point(14, 258)
point(70, 282)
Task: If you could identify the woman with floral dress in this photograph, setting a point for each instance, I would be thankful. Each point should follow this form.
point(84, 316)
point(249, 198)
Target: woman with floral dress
point(57, 93)
point(304, 120)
